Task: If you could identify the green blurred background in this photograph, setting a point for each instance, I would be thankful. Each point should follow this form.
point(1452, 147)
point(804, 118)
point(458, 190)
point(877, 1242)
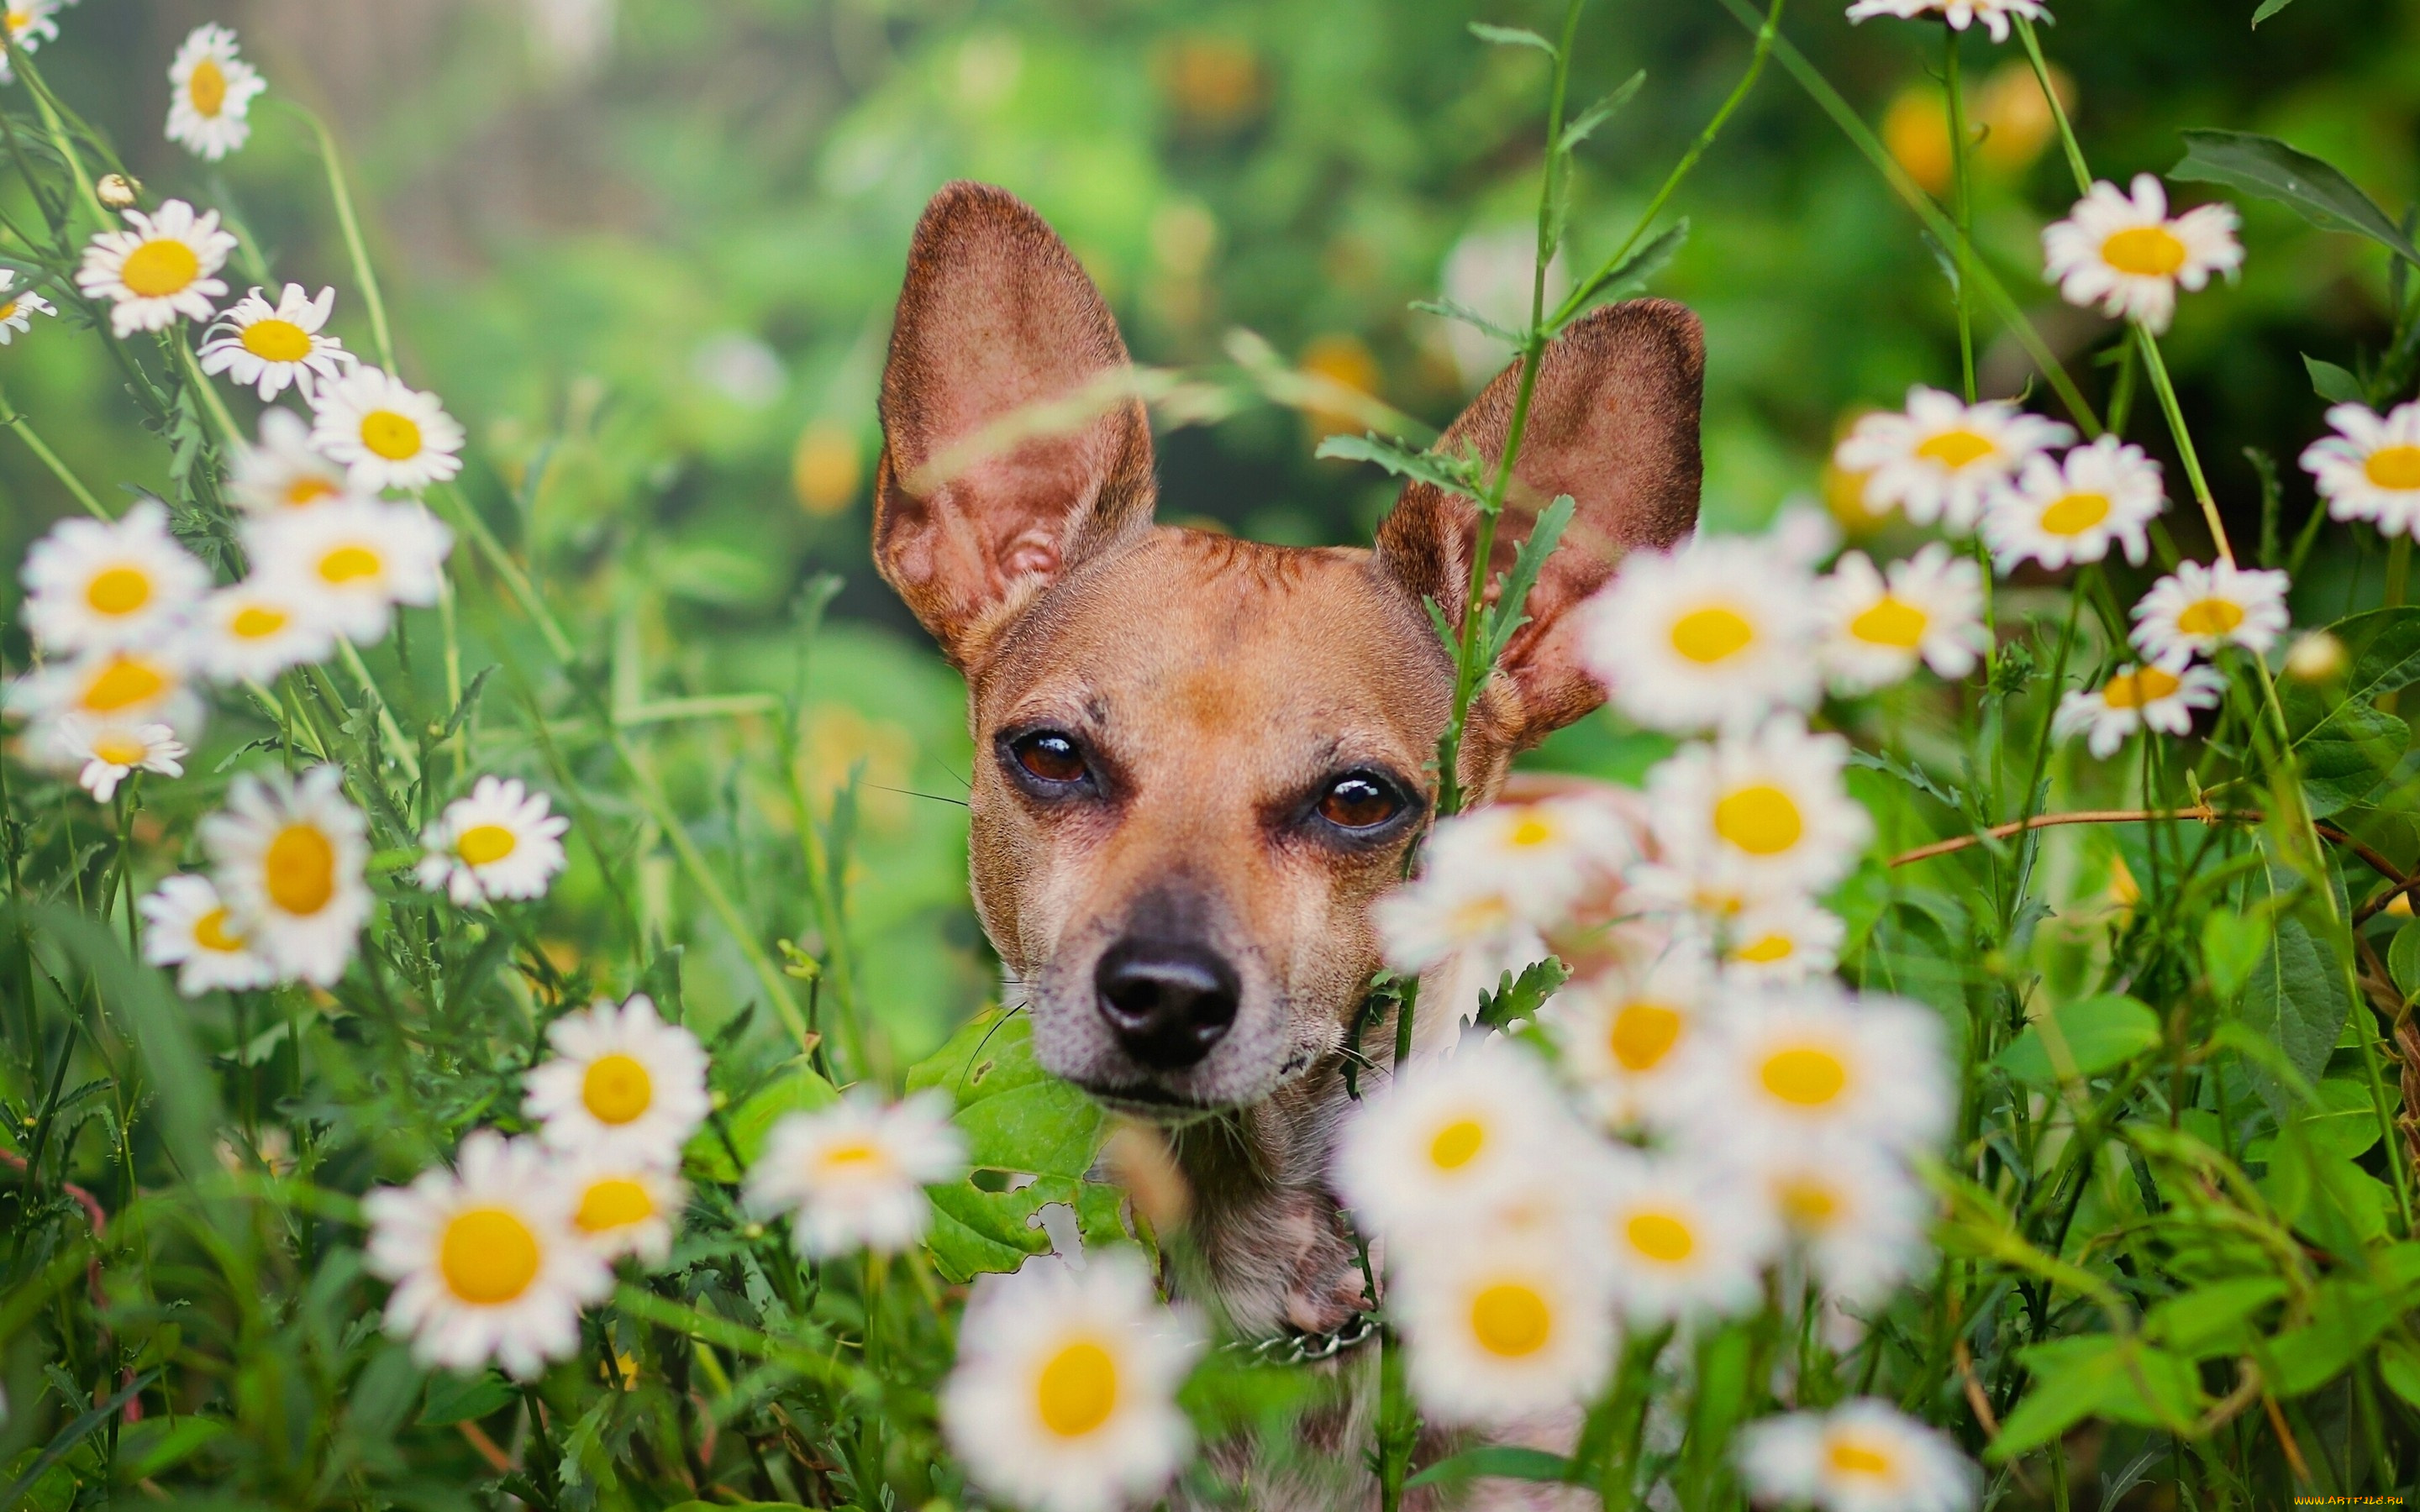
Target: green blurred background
point(646, 250)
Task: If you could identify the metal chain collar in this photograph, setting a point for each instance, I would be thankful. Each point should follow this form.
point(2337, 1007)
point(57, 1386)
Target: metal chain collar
point(1294, 1346)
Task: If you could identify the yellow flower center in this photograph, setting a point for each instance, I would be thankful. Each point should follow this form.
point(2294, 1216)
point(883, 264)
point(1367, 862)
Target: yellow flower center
point(2132, 690)
point(856, 1158)
point(206, 88)
point(210, 933)
point(1760, 820)
point(1660, 1237)
point(488, 1256)
point(1891, 621)
point(1955, 449)
point(308, 489)
point(1457, 1144)
point(1511, 1320)
point(483, 843)
point(1805, 1076)
point(276, 340)
point(1766, 950)
point(1077, 1389)
point(2074, 513)
point(350, 564)
point(1643, 1034)
point(124, 682)
point(2145, 251)
point(614, 1202)
point(1708, 634)
point(119, 590)
point(257, 622)
point(119, 750)
point(2394, 466)
point(8, 310)
point(1531, 832)
point(395, 437)
point(299, 870)
point(1851, 1457)
point(1805, 1203)
point(160, 268)
point(616, 1088)
point(2211, 616)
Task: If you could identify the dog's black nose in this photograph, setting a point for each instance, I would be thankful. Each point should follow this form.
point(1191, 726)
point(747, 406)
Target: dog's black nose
point(1168, 1002)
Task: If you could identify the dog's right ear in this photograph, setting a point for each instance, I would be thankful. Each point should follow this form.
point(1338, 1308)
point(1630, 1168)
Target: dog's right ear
point(988, 489)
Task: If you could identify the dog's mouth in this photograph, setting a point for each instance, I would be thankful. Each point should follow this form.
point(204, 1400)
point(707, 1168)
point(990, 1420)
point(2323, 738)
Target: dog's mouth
point(1152, 1103)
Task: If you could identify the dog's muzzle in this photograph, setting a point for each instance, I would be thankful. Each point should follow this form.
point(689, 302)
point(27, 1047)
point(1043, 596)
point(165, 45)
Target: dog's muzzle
point(1167, 1001)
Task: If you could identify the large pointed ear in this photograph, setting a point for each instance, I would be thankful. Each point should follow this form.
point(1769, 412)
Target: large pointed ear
point(997, 473)
point(1613, 423)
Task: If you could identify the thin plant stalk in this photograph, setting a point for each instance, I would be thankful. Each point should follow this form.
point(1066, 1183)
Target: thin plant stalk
point(1961, 208)
point(60, 470)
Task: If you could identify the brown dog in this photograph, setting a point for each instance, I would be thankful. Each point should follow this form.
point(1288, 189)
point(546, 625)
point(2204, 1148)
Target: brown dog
point(1198, 759)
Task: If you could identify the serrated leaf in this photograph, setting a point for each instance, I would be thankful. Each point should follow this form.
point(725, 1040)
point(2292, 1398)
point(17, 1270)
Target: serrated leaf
point(1507, 1462)
point(1517, 998)
point(1507, 616)
point(1456, 474)
point(2315, 190)
point(1635, 269)
point(2080, 1039)
point(1456, 310)
point(1914, 776)
point(1585, 122)
point(1513, 37)
point(2332, 383)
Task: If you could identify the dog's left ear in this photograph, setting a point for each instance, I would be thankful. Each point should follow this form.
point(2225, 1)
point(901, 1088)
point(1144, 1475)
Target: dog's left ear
point(1613, 423)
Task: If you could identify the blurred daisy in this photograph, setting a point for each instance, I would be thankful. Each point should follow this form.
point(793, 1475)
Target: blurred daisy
point(1621, 1032)
point(1786, 1067)
point(1856, 1219)
point(1063, 1396)
point(105, 754)
point(1680, 1240)
point(501, 842)
point(2370, 468)
point(1716, 634)
point(1939, 458)
point(29, 25)
point(2128, 256)
point(1448, 1136)
point(271, 345)
point(1783, 937)
point(18, 309)
point(2153, 696)
point(353, 560)
point(2199, 609)
point(853, 1176)
point(1540, 858)
point(1879, 623)
point(282, 472)
point(1502, 1330)
point(1863, 1456)
point(97, 585)
point(2069, 511)
point(620, 1080)
point(387, 433)
point(287, 853)
point(158, 269)
point(210, 91)
point(1959, 14)
point(622, 1206)
point(185, 926)
point(114, 687)
point(1438, 917)
point(486, 1262)
point(251, 631)
point(1759, 812)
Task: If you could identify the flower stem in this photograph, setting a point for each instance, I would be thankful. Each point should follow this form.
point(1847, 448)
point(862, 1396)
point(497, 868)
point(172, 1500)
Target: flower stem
point(2158, 369)
point(350, 225)
point(1961, 207)
point(10, 418)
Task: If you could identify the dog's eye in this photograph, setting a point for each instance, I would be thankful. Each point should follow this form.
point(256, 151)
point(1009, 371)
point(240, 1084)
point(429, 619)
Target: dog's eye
point(1359, 801)
point(1050, 756)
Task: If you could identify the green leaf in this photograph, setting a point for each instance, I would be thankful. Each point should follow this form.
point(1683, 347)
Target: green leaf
point(159, 1444)
point(2403, 958)
point(2346, 1317)
point(2398, 1365)
point(798, 1088)
point(2345, 1123)
point(1506, 616)
point(2231, 945)
point(2346, 748)
point(2269, 8)
point(2297, 999)
point(1513, 37)
point(2332, 383)
point(1456, 310)
point(1517, 999)
point(452, 1398)
point(1632, 271)
point(2214, 1319)
point(2382, 647)
point(2323, 1195)
point(1504, 1461)
point(1455, 474)
point(1587, 121)
point(2080, 1039)
point(2097, 1375)
point(2310, 188)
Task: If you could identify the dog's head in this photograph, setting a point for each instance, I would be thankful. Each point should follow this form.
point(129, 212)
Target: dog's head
point(1199, 759)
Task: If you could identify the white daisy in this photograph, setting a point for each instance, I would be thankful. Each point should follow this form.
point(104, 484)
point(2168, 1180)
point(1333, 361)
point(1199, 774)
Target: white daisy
point(1784, 1067)
point(1714, 634)
point(1863, 1456)
point(2199, 609)
point(853, 1176)
point(622, 1206)
point(486, 1262)
point(1759, 812)
point(353, 559)
point(1959, 14)
point(287, 853)
point(1430, 921)
point(1780, 937)
point(621, 1079)
point(98, 585)
point(115, 687)
point(210, 93)
point(1856, 1218)
point(158, 271)
point(251, 631)
point(29, 23)
point(2069, 511)
point(1063, 1396)
point(1682, 1240)
point(1879, 623)
point(282, 472)
point(1450, 1133)
point(18, 309)
point(2155, 696)
point(1940, 458)
point(1540, 858)
point(1621, 1032)
point(498, 842)
point(2128, 256)
point(2370, 468)
point(185, 926)
point(271, 345)
point(1503, 1328)
point(390, 434)
point(105, 753)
